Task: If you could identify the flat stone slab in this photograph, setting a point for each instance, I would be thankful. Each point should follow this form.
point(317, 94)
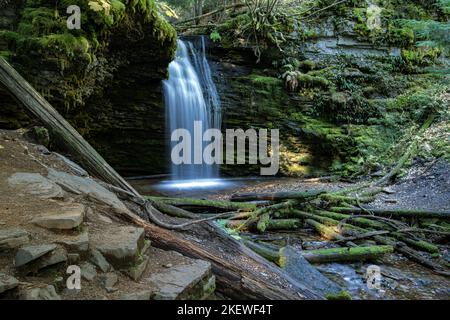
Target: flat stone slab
point(13, 238)
point(35, 184)
point(79, 244)
point(86, 186)
point(68, 218)
point(56, 256)
point(7, 282)
point(27, 254)
point(121, 245)
point(180, 281)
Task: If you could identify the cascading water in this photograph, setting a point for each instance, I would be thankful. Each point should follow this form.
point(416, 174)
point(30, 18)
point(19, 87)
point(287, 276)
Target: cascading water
point(190, 95)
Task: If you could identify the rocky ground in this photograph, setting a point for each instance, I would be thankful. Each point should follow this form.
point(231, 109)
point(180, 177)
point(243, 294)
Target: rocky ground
point(53, 216)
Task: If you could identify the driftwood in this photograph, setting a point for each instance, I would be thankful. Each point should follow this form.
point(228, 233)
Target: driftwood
point(395, 213)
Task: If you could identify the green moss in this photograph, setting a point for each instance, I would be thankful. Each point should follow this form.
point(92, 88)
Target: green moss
point(343, 295)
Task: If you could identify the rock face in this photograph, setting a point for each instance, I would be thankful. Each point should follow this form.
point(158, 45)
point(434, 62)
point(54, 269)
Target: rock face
point(68, 218)
point(13, 238)
point(27, 254)
point(7, 282)
point(111, 95)
point(36, 184)
point(183, 281)
point(122, 245)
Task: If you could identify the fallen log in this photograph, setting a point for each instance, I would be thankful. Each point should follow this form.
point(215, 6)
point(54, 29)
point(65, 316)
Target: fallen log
point(276, 196)
point(205, 15)
point(21, 90)
point(395, 213)
point(240, 273)
point(342, 254)
point(206, 205)
point(271, 224)
point(346, 254)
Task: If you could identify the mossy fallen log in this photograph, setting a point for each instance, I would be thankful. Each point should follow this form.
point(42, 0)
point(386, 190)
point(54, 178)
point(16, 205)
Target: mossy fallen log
point(395, 213)
point(173, 211)
point(363, 222)
point(276, 196)
point(205, 204)
point(270, 224)
point(346, 254)
point(343, 254)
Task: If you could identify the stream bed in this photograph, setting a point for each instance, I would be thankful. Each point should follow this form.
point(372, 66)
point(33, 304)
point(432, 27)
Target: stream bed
point(399, 278)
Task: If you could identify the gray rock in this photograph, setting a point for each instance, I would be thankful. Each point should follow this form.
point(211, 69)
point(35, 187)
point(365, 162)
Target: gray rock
point(99, 260)
point(56, 256)
point(73, 257)
point(80, 244)
point(13, 238)
point(298, 268)
point(135, 272)
point(35, 184)
point(122, 247)
point(108, 281)
point(181, 281)
point(67, 218)
point(7, 282)
point(46, 293)
point(88, 271)
point(27, 254)
point(141, 295)
point(88, 187)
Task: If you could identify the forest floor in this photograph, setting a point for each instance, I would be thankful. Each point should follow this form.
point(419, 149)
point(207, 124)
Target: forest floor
point(116, 260)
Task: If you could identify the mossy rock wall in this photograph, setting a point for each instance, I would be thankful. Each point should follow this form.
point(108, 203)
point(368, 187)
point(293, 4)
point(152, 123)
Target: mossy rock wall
point(105, 79)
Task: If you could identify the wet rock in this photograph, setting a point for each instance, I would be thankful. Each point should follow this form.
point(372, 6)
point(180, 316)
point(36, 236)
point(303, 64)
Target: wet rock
point(141, 295)
point(80, 244)
point(88, 271)
point(298, 268)
point(27, 254)
point(99, 260)
point(46, 293)
point(122, 246)
point(67, 218)
point(35, 184)
point(13, 238)
point(7, 282)
point(182, 281)
point(88, 187)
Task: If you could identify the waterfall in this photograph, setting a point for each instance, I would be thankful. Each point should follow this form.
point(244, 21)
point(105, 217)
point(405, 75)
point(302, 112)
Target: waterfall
point(190, 95)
